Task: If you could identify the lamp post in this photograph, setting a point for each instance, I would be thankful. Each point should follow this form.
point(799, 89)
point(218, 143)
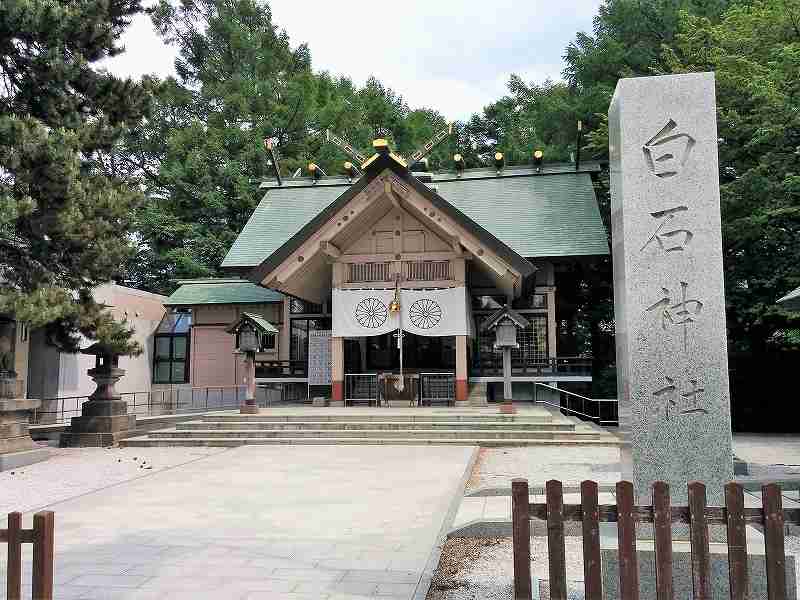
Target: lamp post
point(505, 323)
point(248, 345)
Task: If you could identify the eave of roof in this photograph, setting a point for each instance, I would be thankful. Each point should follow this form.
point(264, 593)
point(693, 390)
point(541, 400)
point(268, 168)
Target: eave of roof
point(377, 166)
point(537, 215)
point(221, 291)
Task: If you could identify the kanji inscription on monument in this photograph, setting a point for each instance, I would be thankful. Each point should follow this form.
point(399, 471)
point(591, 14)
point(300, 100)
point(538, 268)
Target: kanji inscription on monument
point(672, 365)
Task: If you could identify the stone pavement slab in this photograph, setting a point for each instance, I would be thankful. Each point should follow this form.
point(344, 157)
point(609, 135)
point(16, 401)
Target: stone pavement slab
point(278, 522)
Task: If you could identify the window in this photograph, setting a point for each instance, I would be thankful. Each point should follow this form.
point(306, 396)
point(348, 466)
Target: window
point(268, 342)
point(301, 307)
point(299, 336)
point(171, 356)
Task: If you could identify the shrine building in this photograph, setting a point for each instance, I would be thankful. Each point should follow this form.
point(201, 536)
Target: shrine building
point(387, 271)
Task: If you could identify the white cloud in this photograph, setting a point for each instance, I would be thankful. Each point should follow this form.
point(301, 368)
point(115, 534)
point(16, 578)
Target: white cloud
point(451, 55)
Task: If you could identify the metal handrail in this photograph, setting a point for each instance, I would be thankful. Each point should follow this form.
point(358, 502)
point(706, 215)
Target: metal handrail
point(168, 401)
point(597, 417)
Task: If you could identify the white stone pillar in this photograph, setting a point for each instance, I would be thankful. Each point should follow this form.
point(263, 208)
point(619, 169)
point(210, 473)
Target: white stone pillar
point(668, 285)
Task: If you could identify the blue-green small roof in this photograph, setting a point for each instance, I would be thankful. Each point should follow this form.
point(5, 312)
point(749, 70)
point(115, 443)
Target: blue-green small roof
point(791, 300)
point(221, 291)
point(549, 214)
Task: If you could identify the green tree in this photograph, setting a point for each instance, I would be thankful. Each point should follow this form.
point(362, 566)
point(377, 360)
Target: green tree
point(238, 83)
point(64, 212)
point(755, 53)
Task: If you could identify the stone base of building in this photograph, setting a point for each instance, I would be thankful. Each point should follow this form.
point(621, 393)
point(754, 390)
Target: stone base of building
point(462, 404)
point(336, 403)
point(682, 569)
point(248, 409)
point(319, 401)
point(15, 460)
point(508, 408)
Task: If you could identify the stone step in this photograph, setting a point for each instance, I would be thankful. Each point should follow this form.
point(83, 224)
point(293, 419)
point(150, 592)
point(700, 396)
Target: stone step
point(249, 424)
point(377, 433)
point(544, 418)
point(234, 442)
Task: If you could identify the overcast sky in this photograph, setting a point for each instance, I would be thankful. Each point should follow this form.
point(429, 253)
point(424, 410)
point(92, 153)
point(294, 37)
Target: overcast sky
point(451, 55)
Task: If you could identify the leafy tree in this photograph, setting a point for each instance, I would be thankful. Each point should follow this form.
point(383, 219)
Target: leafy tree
point(238, 83)
point(755, 52)
point(201, 154)
point(64, 213)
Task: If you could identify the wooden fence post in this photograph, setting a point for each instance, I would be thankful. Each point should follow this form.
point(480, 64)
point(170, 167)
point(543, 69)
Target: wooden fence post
point(698, 536)
point(521, 531)
point(662, 529)
point(14, 575)
point(43, 534)
point(737, 541)
point(555, 540)
point(591, 541)
point(626, 540)
point(772, 503)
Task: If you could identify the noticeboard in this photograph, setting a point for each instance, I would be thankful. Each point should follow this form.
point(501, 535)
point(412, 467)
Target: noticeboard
point(319, 357)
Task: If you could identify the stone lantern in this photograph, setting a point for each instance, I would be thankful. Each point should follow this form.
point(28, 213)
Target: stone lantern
point(17, 449)
point(251, 331)
point(505, 323)
point(104, 416)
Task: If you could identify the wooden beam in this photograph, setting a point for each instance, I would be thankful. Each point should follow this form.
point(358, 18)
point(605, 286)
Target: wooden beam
point(330, 249)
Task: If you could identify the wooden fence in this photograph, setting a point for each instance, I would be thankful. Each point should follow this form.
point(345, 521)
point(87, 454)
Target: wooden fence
point(41, 536)
point(662, 515)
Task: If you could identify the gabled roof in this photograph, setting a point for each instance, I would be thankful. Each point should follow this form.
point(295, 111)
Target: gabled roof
point(535, 214)
point(260, 322)
point(377, 166)
point(221, 291)
point(504, 313)
point(791, 300)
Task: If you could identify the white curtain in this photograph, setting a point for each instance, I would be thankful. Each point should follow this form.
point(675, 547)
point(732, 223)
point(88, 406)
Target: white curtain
point(434, 313)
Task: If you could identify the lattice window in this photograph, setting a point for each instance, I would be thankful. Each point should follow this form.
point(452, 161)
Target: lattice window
point(532, 341)
point(363, 272)
point(427, 270)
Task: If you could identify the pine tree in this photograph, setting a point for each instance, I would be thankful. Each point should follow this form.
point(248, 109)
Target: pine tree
point(64, 211)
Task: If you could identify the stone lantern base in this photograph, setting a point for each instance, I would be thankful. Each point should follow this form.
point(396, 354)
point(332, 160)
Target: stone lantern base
point(17, 449)
point(104, 417)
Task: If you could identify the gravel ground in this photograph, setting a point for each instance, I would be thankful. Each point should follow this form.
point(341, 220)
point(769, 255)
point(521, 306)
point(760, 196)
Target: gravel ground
point(498, 466)
point(76, 471)
point(482, 569)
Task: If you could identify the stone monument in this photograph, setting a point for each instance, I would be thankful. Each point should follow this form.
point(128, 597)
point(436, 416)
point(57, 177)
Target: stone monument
point(672, 363)
point(669, 304)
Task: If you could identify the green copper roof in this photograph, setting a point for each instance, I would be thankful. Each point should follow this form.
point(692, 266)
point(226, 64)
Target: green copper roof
point(791, 300)
point(221, 291)
point(265, 325)
point(553, 213)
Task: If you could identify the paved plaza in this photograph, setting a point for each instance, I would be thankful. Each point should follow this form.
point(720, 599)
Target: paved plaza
point(282, 522)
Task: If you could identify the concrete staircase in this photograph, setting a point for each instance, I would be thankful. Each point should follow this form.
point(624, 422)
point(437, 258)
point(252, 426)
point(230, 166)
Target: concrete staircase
point(379, 426)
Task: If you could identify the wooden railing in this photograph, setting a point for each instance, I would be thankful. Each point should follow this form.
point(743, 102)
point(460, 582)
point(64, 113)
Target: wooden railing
point(41, 536)
point(661, 514)
point(364, 272)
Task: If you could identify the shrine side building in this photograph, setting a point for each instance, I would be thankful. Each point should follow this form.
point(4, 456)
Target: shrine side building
point(354, 261)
